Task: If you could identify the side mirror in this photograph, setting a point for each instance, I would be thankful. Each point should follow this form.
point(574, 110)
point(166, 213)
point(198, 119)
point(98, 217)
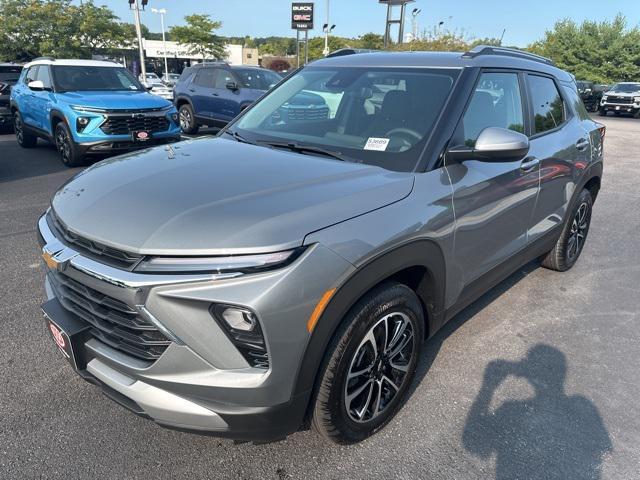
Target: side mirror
point(36, 85)
point(494, 144)
point(233, 86)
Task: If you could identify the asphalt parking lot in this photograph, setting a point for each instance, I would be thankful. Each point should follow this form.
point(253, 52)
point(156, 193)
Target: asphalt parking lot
point(562, 403)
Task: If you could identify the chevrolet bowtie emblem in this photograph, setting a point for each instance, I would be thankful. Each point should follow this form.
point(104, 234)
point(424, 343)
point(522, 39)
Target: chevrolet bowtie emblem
point(58, 257)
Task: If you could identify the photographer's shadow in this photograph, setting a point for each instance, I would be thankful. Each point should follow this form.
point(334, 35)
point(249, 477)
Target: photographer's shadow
point(550, 435)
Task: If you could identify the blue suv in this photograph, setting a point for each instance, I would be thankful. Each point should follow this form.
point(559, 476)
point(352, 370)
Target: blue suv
point(215, 93)
point(88, 107)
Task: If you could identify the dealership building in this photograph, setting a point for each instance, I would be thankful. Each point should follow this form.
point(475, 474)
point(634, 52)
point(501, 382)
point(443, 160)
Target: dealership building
point(178, 56)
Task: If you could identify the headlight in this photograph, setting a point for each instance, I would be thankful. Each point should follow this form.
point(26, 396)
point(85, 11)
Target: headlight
point(636, 99)
point(80, 108)
point(229, 264)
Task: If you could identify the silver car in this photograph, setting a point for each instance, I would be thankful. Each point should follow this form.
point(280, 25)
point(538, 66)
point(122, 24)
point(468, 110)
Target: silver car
point(286, 273)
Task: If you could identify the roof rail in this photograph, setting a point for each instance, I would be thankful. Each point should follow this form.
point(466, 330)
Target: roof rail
point(44, 58)
point(509, 52)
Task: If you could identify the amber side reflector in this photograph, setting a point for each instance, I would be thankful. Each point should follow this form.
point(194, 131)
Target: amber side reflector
point(315, 316)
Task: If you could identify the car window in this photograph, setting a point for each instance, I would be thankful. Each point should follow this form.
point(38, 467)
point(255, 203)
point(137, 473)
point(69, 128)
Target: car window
point(548, 107)
point(206, 77)
point(31, 75)
point(256, 78)
point(10, 73)
point(84, 78)
point(381, 116)
point(224, 77)
point(496, 102)
point(576, 103)
point(44, 76)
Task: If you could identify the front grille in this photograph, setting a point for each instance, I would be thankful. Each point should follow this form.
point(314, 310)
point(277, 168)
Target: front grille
point(108, 255)
point(111, 321)
point(306, 113)
point(127, 124)
point(624, 100)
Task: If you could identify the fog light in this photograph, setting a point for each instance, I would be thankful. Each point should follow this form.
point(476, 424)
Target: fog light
point(243, 329)
point(82, 122)
point(174, 117)
point(239, 319)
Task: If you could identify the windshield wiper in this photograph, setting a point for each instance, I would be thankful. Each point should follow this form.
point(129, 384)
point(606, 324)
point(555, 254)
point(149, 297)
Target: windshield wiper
point(238, 137)
point(296, 147)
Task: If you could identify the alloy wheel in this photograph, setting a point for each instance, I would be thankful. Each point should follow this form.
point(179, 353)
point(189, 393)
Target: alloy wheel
point(578, 232)
point(185, 119)
point(63, 144)
point(379, 368)
point(17, 126)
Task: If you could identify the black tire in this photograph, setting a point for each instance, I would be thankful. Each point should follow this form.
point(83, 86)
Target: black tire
point(335, 415)
point(569, 246)
point(187, 119)
point(69, 151)
point(602, 113)
point(24, 138)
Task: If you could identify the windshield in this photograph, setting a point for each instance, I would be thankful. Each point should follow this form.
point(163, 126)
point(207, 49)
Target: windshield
point(258, 79)
point(10, 74)
point(376, 116)
point(83, 78)
point(626, 87)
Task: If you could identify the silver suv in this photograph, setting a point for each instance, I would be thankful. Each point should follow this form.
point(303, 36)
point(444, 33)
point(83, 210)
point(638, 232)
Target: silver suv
point(287, 272)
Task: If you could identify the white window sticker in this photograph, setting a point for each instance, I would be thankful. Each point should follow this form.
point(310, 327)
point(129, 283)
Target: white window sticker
point(379, 144)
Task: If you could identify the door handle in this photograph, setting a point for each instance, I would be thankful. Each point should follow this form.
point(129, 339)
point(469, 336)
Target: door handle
point(529, 164)
point(215, 95)
point(582, 144)
point(192, 89)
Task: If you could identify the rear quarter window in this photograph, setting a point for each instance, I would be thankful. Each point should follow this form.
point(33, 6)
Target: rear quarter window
point(548, 107)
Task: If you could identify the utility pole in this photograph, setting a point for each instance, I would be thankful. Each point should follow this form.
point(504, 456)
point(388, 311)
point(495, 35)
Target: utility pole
point(136, 14)
point(162, 12)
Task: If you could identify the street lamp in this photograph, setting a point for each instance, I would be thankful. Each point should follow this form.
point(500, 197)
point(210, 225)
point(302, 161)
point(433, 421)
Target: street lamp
point(414, 22)
point(162, 13)
point(135, 6)
point(327, 30)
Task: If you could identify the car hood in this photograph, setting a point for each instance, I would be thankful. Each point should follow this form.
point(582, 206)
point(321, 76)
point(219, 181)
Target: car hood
point(214, 196)
point(623, 94)
point(114, 100)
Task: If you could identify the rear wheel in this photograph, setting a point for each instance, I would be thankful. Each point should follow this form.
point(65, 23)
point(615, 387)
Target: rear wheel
point(187, 119)
point(371, 363)
point(68, 149)
point(24, 138)
point(574, 235)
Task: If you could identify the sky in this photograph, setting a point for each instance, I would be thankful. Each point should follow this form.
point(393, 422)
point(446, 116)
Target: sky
point(524, 21)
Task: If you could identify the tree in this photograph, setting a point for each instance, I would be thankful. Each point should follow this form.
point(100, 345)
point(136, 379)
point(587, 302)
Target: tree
point(97, 28)
point(372, 41)
point(199, 38)
point(603, 52)
point(32, 28)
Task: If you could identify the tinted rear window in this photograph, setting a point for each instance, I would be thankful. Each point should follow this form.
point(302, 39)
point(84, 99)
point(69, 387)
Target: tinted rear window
point(10, 73)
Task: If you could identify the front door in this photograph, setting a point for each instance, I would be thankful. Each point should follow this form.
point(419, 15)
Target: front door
point(493, 201)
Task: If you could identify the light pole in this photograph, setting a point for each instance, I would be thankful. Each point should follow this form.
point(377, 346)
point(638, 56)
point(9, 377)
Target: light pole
point(327, 29)
point(135, 4)
point(162, 12)
point(414, 23)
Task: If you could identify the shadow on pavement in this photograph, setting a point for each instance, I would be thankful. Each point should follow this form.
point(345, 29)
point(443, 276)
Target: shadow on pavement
point(551, 435)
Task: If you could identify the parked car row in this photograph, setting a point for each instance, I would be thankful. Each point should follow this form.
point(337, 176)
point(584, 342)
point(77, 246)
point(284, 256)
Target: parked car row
point(623, 97)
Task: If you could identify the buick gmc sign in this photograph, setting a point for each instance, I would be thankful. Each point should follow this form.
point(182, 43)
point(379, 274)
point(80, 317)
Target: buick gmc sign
point(302, 16)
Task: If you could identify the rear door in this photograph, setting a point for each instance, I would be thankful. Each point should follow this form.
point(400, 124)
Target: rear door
point(493, 200)
point(562, 145)
point(202, 92)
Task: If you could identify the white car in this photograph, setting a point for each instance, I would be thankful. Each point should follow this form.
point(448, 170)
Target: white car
point(154, 85)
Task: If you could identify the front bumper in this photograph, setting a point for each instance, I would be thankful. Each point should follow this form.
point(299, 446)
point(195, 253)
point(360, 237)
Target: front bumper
point(620, 107)
point(201, 382)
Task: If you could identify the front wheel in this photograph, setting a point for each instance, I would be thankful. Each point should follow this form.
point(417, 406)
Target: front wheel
point(69, 151)
point(187, 119)
point(370, 365)
point(602, 112)
point(574, 234)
